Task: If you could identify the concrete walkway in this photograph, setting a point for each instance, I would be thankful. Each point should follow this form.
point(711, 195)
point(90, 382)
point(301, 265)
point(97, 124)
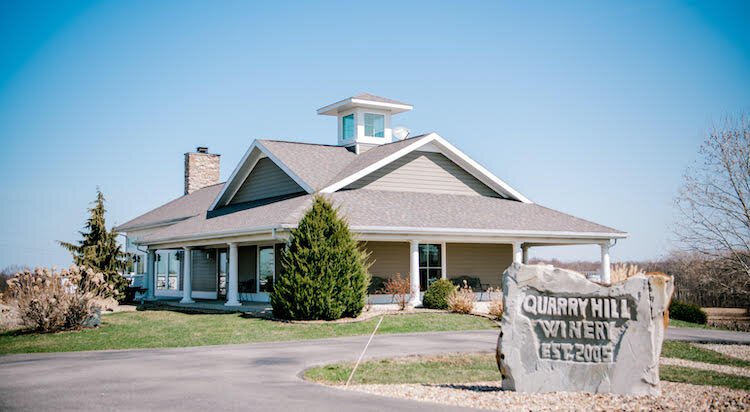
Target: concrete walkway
point(263, 377)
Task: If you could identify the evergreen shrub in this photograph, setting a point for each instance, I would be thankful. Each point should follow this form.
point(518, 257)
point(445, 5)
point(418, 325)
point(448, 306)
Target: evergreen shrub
point(323, 270)
point(687, 312)
point(437, 294)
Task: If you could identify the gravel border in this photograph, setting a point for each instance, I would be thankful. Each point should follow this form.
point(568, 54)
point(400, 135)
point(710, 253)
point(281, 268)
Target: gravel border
point(735, 351)
point(732, 370)
point(489, 395)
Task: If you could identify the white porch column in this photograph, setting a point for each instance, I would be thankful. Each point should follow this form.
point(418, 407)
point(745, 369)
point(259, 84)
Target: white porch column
point(187, 276)
point(444, 263)
point(517, 253)
point(525, 258)
point(150, 282)
point(414, 298)
point(605, 270)
point(232, 281)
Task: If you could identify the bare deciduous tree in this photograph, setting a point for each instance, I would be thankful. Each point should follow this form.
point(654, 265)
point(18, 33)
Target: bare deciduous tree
point(714, 201)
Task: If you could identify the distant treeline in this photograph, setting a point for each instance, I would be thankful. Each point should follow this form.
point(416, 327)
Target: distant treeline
point(701, 280)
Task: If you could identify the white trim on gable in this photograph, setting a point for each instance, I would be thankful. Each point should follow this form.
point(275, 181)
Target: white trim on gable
point(483, 173)
point(286, 169)
point(244, 167)
point(434, 142)
point(247, 172)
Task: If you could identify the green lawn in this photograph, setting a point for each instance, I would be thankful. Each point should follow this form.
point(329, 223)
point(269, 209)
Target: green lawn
point(702, 377)
point(477, 368)
point(682, 324)
point(163, 329)
point(426, 369)
point(685, 350)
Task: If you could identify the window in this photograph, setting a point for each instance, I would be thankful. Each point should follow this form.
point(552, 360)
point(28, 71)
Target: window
point(161, 270)
point(374, 125)
point(430, 264)
point(139, 264)
point(168, 270)
point(173, 271)
point(222, 274)
point(266, 269)
point(347, 126)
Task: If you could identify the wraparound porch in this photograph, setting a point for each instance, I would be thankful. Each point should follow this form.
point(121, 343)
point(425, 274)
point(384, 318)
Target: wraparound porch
point(244, 271)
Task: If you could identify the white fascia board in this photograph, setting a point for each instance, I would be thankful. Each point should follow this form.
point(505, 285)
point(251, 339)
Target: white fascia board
point(233, 176)
point(236, 173)
point(384, 105)
point(487, 232)
point(333, 109)
point(286, 169)
point(154, 225)
point(248, 167)
point(496, 181)
point(377, 165)
point(475, 168)
point(213, 235)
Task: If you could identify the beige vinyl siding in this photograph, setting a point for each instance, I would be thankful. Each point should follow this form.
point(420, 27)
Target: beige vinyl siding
point(424, 172)
point(204, 270)
point(388, 259)
point(485, 261)
point(266, 180)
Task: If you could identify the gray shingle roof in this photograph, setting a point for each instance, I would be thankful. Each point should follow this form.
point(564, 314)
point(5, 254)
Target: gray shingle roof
point(322, 165)
point(408, 209)
point(181, 208)
point(372, 156)
point(392, 209)
point(315, 164)
point(287, 211)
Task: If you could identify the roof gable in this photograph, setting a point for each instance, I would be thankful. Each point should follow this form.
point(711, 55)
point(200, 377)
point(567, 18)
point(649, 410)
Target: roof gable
point(266, 180)
point(375, 161)
point(424, 172)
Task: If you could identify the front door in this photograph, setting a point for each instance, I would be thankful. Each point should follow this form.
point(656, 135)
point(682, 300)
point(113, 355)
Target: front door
point(221, 270)
point(430, 264)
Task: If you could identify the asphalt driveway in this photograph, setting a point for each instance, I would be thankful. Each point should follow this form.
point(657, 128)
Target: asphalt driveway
point(263, 377)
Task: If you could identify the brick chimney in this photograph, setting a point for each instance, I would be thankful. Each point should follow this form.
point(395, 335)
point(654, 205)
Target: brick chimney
point(201, 169)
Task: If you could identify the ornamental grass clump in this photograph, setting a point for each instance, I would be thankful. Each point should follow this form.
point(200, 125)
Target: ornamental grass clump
point(51, 301)
point(323, 270)
point(496, 308)
point(462, 301)
point(622, 271)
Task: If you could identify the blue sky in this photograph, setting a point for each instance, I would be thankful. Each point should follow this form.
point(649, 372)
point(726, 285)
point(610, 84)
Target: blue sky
point(591, 108)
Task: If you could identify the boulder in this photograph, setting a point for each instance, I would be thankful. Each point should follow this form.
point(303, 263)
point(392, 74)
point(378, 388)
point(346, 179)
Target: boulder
point(563, 332)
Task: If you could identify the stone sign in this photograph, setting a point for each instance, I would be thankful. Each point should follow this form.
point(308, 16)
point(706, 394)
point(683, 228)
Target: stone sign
point(562, 332)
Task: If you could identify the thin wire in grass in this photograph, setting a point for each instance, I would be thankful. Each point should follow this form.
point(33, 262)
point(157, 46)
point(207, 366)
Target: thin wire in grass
point(362, 355)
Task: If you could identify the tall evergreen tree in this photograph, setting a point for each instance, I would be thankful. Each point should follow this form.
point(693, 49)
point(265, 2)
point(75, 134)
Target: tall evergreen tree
point(323, 270)
point(99, 248)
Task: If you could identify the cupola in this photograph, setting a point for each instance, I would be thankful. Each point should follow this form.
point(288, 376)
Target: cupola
point(364, 120)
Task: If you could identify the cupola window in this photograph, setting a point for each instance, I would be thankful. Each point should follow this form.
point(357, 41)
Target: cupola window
point(374, 125)
point(347, 127)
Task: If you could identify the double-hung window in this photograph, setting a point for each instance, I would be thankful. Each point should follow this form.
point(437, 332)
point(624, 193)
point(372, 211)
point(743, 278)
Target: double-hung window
point(430, 264)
